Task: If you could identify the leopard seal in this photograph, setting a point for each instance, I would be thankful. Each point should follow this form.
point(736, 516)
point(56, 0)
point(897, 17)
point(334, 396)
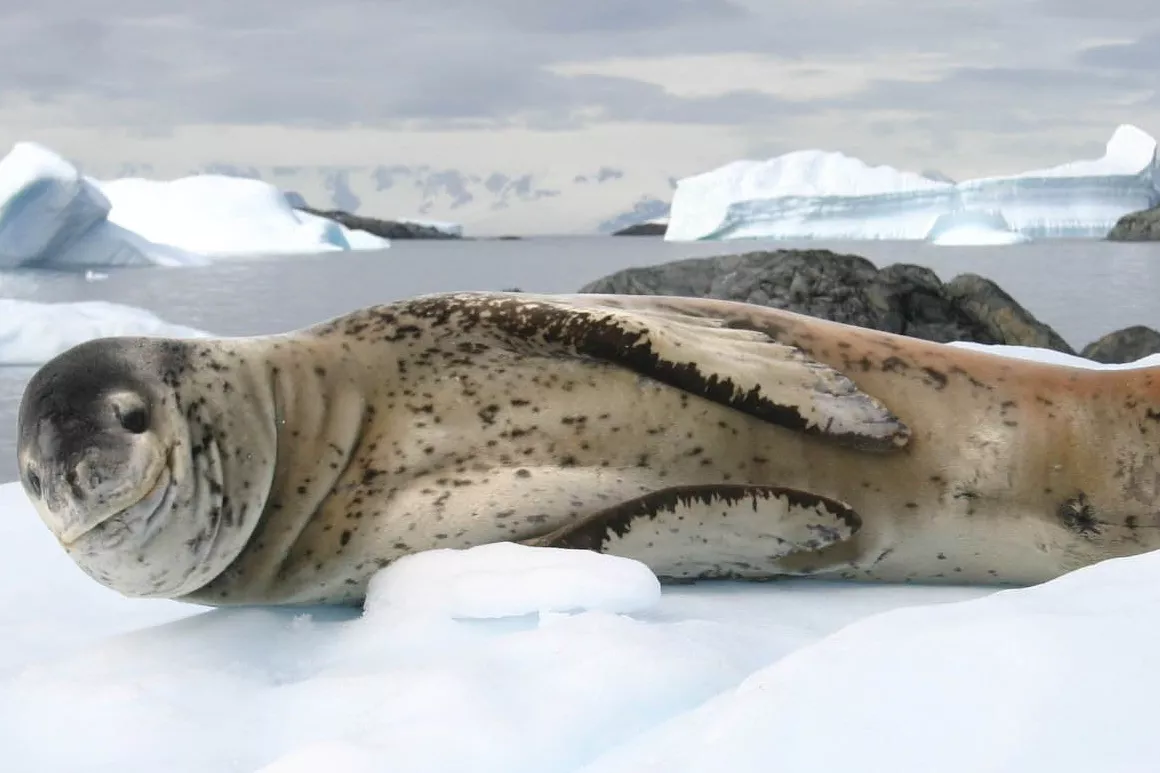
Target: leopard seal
point(709, 439)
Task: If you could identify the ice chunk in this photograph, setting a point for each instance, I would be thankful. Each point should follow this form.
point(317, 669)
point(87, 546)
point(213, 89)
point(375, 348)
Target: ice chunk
point(505, 579)
point(820, 194)
point(973, 228)
point(32, 333)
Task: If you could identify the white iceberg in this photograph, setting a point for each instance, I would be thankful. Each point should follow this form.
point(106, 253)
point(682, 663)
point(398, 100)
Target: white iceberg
point(32, 333)
point(800, 675)
point(51, 215)
point(827, 195)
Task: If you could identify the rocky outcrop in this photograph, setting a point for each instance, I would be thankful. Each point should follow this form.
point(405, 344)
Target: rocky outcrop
point(1125, 345)
point(1143, 226)
point(643, 229)
point(900, 298)
point(390, 229)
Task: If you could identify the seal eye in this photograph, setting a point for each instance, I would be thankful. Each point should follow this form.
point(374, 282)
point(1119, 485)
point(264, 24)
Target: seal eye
point(34, 483)
point(134, 420)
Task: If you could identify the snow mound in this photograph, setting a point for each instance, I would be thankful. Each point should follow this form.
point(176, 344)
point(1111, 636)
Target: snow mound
point(509, 580)
point(32, 333)
point(824, 194)
point(51, 215)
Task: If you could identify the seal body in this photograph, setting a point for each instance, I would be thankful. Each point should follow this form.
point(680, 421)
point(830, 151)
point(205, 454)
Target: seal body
point(706, 438)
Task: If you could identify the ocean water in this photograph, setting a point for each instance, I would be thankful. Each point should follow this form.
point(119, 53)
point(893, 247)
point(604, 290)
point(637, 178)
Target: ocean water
point(1082, 288)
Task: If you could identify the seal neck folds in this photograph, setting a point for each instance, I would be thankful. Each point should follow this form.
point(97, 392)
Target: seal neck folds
point(308, 404)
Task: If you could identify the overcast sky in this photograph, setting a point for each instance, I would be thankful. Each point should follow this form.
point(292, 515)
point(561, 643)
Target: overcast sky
point(981, 86)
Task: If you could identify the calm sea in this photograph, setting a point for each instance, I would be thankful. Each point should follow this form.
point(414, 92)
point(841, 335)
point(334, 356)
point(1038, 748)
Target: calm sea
point(1082, 288)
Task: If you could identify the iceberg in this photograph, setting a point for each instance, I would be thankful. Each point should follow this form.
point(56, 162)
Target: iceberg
point(815, 194)
point(32, 333)
point(53, 216)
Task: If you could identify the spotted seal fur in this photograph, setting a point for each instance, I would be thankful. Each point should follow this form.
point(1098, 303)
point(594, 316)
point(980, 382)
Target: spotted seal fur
point(706, 438)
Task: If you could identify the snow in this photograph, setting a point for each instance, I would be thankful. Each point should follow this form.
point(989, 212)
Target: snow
point(32, 333)
point(824, 194)
point(1058, 677)
point(51, 215)
point(517, 659)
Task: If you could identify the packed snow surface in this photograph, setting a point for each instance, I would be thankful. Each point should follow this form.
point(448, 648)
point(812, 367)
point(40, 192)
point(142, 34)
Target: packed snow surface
point(828, 195)
point(51, 215)
point(32, 333)
point(514, 659)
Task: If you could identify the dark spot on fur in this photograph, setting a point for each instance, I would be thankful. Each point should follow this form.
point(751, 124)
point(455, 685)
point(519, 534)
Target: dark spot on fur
point(894, 364)
point(936, 378)
point(1079, 516)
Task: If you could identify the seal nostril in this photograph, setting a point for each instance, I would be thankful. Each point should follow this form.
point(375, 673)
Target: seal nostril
point(134, 420)
point(74, 484)
point(34, 484)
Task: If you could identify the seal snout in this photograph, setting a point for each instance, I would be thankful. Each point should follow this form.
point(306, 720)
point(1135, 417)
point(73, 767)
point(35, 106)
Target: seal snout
point(84, 462)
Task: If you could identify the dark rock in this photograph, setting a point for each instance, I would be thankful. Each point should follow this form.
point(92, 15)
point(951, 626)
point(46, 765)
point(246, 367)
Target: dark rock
point(389, 229)
point(1003, 317)
point(900, 298)
point(643, 229)
point(1125, 345)
point(1143, 226)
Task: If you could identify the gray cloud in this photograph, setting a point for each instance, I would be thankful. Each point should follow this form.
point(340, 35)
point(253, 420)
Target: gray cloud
point(471, 63)
point(1143, 55)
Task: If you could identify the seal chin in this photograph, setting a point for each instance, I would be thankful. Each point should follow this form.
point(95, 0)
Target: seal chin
point(139, 516)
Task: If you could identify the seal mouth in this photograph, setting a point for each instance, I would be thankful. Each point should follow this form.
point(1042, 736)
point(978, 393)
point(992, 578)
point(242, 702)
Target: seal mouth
point(145, 510)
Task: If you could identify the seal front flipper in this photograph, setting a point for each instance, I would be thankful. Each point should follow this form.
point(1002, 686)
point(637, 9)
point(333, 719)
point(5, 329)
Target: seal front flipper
point(712, 531)
point(746, 370)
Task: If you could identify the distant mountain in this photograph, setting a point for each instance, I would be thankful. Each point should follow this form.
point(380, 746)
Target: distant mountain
point(937, 176)
point(496, 202)
point(645, 209)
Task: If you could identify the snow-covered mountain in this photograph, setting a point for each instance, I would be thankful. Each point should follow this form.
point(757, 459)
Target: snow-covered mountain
point(822, 194)
point(539, 201)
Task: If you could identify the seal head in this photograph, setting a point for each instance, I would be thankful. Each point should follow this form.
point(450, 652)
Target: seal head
point(110, 457)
